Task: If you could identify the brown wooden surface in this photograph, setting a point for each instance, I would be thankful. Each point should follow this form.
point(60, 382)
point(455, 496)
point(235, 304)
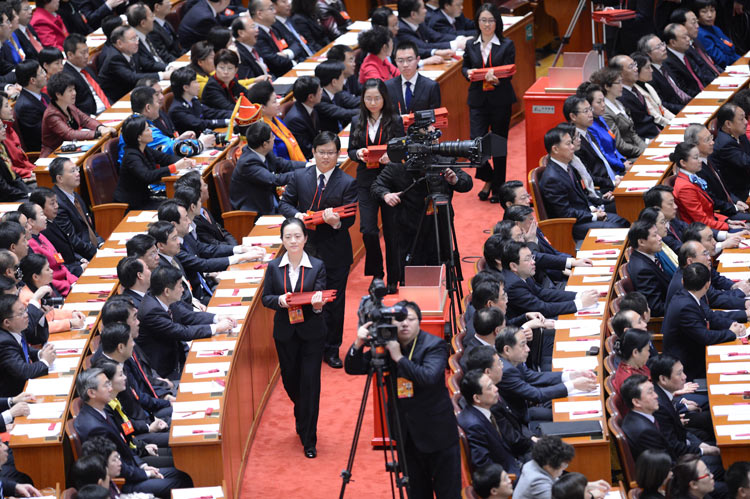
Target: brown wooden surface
point(562, 11)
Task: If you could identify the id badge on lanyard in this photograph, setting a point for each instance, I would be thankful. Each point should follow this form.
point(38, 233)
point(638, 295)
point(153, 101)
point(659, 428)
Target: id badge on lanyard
point(295, 313)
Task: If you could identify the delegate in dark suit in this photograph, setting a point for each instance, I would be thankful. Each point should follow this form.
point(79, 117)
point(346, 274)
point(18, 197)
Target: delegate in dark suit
point(194, 116)
point(650, 280)
point(310, 29)
point(333, 117)
point(163, 335)
point(96, 10)
point(138, 170)
point(642, 434)
point(528, 296)
point(680, 440)
point(687, 331)
point(15, 371)
point(64, 247)
point(294, 44)
point(673, 239)
point(217, 96)
point(426, 38)
point(118, 76)
point(254, 182)
point(74, 225)
point(165, 41)
point(186, 300)
point(669, 97)
point(486, 444)
point(724, 201)
point(644, 122)
point(304, 126)
point(594, 165)
point(731, 299)
point(426, 94)
point(199, 258)
point(333, 246)
point(490, 110)
point(564, 197)
point(196, 23)
point(459, 25)
point(264, 44)
point(680, 74)
point(84, 97)
point(555, 261)
point(29, 111)
point(428, 424)
point(521, 386)
point(26, 45)
point(299, 346)
point(249, 67)
point(11, 189)
point(210, 230)
point(732, 159)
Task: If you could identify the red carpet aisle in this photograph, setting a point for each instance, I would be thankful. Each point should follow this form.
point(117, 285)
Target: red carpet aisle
point(276, 466)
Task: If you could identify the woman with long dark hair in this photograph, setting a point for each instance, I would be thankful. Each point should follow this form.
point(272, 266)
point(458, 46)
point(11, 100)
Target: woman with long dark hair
point(376, 124)
point(691, 479)
point(490, 100)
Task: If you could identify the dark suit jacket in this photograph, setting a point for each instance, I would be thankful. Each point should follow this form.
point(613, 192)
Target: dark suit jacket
point(14, 370)
point(63, 245)
point(642, 434)
point(720, 194)
point(562, 197)
point(425, 94)
point(253, 185)
point(311, 30)
point(84, 96)
point(674, 240)
point(277, 64)
point(26, 45)
point(210, 231)
point(486, 444)
point(649, 280)
point(669, 97)
point(333, 117)
point(357, 140)
point(218, 97)
point(521, 386)
point(11, 189)
point(201, 258)
point(300, 54)
point(460, 26)
point(527, 296)
point(548, 256)
point(164, 337)
point(680, 74)
point(303, 125)
point(90, 423)
point(732, 299)
point(249, 67)
point(428, 416)
point(165, 41)
point(426, 38)
point(138, 170)
point(186, 300)
point(644, 122)
point(687, 331)
point(29, 111)
point(196, 23)
point(96, 10)
point(680, 440)
point(705, 73)
point(594, 165)
point(74, 226)
point(313, 327)
point(503, 96)
point(195, 116)
point(732, 159)
point(333, 246)
point(118, 76)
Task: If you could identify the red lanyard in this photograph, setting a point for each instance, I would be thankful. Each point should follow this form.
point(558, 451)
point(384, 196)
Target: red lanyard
point(301, 284)
point(380, 135)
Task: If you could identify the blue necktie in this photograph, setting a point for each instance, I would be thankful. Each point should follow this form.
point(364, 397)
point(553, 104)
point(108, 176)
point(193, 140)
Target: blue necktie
point(289, 25)
point(595, 147)
point(698, 181)
point(321, 188)
point(408, 95)
point(25, 346)
point(205, 285)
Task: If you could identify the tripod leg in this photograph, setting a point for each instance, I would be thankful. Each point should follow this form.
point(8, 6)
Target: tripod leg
point(410, 255)
point(401, 471)
point(346, 474)
point(569, 32)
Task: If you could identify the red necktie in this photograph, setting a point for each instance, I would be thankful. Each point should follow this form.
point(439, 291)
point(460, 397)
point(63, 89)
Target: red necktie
point(99, 92)
point(34, 42)
point(692, 73)
point(707, 60)
point(135, 358)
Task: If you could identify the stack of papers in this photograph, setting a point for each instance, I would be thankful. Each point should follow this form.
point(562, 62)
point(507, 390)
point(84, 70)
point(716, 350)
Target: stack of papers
point(37, 430)
point(734, 431)
point(64, 364)
point(584, 409)
point(729, 352)
point(199, 387)
point(235, 292)
point(575, 363)
point(235, 312)
point(69, 347)
point(261, 240)
point(580, 345)
point(730, 372)
point(194, 410)
point(190, 430)
point(730, 389)
point(733, 412)
point(208, 347)
point(47, 410)
point(272, 219)
point(599, 254)
point(50, 386)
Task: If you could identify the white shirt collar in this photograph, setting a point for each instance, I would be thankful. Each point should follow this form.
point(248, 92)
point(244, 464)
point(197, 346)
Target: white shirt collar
point(562, 165)
point(264, 27)
point(38, 96)
point(650, 257)
point(213, 11)
point(582, 131)
point(657, 66)
point(413, 81)
point(650, 417)
point(249, 48)
point(308, 108)
point(679, 55)
point(329, 94)
point(327, 174)
point(74, 66)
point(169, 258)
point(695, 298)
point(141, 36)
point(23, 29)
point(68, 195)
point(670, 395)
point(480, 340)
point(281, 19)
point(160, 21)
point(139, 293)
point(17, 336)
point(413, 27)
point(262, 156)
point(494, 40)
point(163, 305)
point(485, 412)
point(450, 19)
point(304, 262)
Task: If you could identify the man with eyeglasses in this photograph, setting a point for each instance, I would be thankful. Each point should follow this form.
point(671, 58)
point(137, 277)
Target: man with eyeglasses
point(683, 67)
point(672, 96)
point(19, 362)
point(411, 91)
point(632, 99)
point(277, 52)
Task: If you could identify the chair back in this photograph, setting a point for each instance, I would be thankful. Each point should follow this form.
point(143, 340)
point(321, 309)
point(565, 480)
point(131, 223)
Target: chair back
point(609, 344)
point(614, 305)
point(75, 441)
point(454, 362)
point(100, 173)
point(623, 286)
point(670, 181)
point(285, 107)
point(69, 493)
point(454, 382)
point(634, 493)
point(458, 402)
point(467, 467)
point(457, 342)
point(534, 176)
point(168, 98)
point(468, 493)
point(611, 404)
point(112, 148)
point(609, 363)
point(609, 385)
point(623, 450)
point(75, 406)
point(222, 178)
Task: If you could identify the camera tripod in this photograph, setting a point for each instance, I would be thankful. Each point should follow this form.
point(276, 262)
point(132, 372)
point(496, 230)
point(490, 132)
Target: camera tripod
point(396, 466)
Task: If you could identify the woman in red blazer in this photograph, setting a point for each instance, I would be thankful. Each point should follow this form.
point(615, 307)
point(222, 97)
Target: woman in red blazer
point(694, 204)
point(377, 43)
point(48, 25)
point(63, 120)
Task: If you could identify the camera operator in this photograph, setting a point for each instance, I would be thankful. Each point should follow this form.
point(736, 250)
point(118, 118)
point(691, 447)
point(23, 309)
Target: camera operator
point(423, 406)
point(391, 187)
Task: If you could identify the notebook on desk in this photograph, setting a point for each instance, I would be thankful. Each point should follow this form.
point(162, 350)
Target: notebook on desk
point(572, 429)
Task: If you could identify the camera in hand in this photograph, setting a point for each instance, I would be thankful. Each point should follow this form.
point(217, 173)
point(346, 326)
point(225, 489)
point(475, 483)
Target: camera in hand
point(382, 330)
point(221, 138)
point(53, 301)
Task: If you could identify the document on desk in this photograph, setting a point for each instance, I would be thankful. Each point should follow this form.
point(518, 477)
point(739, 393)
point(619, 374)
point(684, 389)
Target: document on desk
point(144, 216)
point(273, 219)
point(703, 110)
point(602, 289)
point(614, 494)
point(199, 387)
point(235, 292)
point(603, 253)
point(212, 346)
point(349, 38)
point(580, 329)
point(97, 304)
point(733, 412)
point(636, 184)
point(104, 271)
point(654, 154)
point(235, 312)
point(730, 372)
point(593, 310)
point(123, 104)
point(46, 410)
point(207, 369)
point(712, 94)
point(97, 289)
point(199, 492)
point(729, 81)
point(596, 279)
point(37, 430)
point(730, 389)
point(235, 275)
point(50, 386)
point(729, 352)
point(65, 364)
point(575, 363)
point(195, 410)
point(734, 257)
point(432, 74)
point(69, 347)
point(580, 345)
point(736, 276)
point(734, 431)
point(581, 409)
point(361, 26)
point(110, 252)
point(619, 233)
point(261, 240)
point(596, 392)
point(113, 116)
point(199, 429)
point(598, 270)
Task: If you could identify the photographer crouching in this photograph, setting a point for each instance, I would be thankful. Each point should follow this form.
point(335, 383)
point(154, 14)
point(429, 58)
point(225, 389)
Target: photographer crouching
point(429, 437)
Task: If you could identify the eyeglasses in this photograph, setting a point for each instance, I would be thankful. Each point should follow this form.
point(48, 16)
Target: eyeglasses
point(487, 20)
point(326, 153)
point(709, 474)
point(408, 60)
point(632, 65)
point(585, 110)
point(24, 312)
point(659, 45)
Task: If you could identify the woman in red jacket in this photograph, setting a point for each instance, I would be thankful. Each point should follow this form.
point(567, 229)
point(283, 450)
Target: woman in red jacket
point(48, 25)
point(21, 164)
point(377, 43)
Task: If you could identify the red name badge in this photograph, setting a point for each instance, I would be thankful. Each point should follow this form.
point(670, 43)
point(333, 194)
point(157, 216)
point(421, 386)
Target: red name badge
point(127, 427)
point(344, 14)
point(295, 315)
point(282, 44)
point(405, 388)
point(59, 258)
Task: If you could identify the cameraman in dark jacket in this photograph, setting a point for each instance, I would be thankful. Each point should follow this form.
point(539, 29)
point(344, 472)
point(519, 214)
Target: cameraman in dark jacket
point(428, 424)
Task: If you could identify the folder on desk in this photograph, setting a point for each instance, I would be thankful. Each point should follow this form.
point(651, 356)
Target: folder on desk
point(571, 428)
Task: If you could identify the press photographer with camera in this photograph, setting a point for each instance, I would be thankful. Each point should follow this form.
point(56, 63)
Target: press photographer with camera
point(42, 299)
point(423, 406)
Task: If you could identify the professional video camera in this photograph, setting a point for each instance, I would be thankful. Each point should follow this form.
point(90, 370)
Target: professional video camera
point(382, 330)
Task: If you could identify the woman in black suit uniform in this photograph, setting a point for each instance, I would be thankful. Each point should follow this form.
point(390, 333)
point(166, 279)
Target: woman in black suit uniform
point(490, 100)
point(223, 89)
point(142, 165)
point(652, 471)
point(376, 124)
point(299, 333)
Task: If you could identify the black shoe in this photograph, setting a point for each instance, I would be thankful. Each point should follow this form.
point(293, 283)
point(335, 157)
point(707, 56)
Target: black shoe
point(334, 361)
point(483, 195)
point(310, 452)
point(392, 289)
point(494, 198)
